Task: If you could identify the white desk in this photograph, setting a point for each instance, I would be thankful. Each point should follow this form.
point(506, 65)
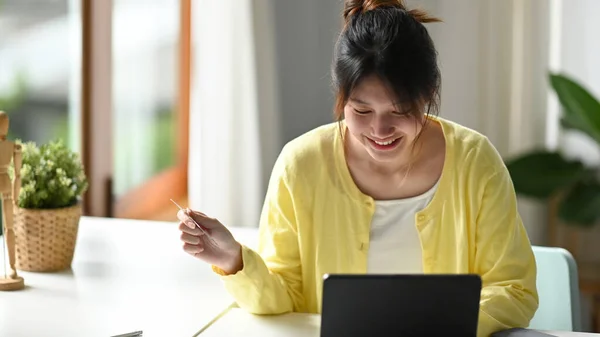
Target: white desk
point(236, 322)
point(126, 276)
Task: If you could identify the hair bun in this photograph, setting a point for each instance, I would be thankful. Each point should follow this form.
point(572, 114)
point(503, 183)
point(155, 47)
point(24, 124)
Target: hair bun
point(353, 7)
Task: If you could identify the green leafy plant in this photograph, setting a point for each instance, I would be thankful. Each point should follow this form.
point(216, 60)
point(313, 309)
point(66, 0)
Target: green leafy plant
point(52, 176)
point(544, 174)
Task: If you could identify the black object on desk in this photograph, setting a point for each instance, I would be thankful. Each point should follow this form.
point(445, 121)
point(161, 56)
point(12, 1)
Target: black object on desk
point(400, 305)
point(131, 334)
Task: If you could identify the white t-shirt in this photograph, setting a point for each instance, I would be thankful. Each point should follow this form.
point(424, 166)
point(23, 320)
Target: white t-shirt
point(394, 246)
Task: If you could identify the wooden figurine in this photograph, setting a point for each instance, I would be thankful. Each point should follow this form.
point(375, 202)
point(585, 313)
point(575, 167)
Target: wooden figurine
point(9, 190)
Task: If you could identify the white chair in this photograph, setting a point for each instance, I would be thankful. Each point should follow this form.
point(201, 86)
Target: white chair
point(558, 288)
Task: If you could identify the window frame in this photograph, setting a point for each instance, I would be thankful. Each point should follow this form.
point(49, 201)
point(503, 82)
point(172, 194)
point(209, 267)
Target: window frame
point(96, 109)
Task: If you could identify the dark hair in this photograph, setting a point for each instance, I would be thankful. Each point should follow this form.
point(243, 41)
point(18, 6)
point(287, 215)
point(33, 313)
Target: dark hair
point(383, 38)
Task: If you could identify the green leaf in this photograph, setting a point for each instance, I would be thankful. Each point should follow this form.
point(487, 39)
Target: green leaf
point(581, 205)
point(540, 174)
point(566, 125)
point(582, 110)
point(52, 176)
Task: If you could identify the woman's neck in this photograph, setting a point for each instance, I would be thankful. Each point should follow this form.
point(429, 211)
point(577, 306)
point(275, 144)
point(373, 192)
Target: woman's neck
point(403, 177)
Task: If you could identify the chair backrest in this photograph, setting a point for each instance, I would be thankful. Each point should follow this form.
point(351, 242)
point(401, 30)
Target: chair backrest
point(558, 289)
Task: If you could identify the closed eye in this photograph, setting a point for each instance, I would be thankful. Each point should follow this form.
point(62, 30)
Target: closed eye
point(401, 113)
point(361, 112)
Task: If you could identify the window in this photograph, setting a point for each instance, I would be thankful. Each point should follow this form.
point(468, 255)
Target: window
point(39, 73)
point(112, 80)
point(146, 74)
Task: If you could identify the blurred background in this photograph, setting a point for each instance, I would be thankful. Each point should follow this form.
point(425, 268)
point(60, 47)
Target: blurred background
point(194, 99)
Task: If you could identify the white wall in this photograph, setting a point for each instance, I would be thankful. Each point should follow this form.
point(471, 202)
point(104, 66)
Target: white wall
point(305, 35)
point(579, 58)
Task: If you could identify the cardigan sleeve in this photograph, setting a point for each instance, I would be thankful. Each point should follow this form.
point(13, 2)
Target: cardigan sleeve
point(504, 259)
point(270, 281)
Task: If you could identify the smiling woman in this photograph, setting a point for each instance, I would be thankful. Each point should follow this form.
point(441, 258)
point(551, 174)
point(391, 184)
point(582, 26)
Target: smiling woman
point(390, 188)
point(384, 96)
point(385, 143)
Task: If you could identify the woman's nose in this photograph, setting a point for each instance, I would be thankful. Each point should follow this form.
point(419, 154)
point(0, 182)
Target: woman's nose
point(382, 126)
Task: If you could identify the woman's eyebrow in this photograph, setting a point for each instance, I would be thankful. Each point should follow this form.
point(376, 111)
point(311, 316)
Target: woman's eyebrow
point(357, 100)
point(360, 101)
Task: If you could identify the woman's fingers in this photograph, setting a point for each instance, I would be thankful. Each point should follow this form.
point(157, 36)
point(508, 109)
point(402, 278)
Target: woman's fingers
point(186, 219)
point(192, 232)
point(191, 239)
point(186, 216)
point(193, 249)
point(184, 227)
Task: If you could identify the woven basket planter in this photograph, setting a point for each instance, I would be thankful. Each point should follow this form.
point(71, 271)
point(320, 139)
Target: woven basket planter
point(45, 238)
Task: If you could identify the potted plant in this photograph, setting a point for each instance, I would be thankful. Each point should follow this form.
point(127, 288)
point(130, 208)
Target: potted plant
point(549, 175)
point(47, 212)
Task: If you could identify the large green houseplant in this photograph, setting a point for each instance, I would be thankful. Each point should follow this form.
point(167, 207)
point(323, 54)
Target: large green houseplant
point(543, 174)
point(47, 212)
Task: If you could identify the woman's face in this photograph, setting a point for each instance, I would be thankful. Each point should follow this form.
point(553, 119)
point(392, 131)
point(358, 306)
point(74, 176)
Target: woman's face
point(378, 125)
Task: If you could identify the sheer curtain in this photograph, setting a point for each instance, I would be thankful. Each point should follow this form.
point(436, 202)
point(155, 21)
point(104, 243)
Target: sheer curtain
point(233, 120)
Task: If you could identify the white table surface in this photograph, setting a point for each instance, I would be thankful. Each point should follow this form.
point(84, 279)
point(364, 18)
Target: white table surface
point(127, 275)
point(130, 275)
point(236, 322)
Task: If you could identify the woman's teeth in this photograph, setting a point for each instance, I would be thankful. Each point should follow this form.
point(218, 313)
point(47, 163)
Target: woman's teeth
point(384, 143)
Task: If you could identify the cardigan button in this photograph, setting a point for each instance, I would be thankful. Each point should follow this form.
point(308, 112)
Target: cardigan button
point(421, 217)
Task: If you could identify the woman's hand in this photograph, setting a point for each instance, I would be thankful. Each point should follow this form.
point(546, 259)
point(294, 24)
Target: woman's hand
point(223, 251)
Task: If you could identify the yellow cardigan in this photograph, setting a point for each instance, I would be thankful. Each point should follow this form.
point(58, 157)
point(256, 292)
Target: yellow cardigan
point(316, 221)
